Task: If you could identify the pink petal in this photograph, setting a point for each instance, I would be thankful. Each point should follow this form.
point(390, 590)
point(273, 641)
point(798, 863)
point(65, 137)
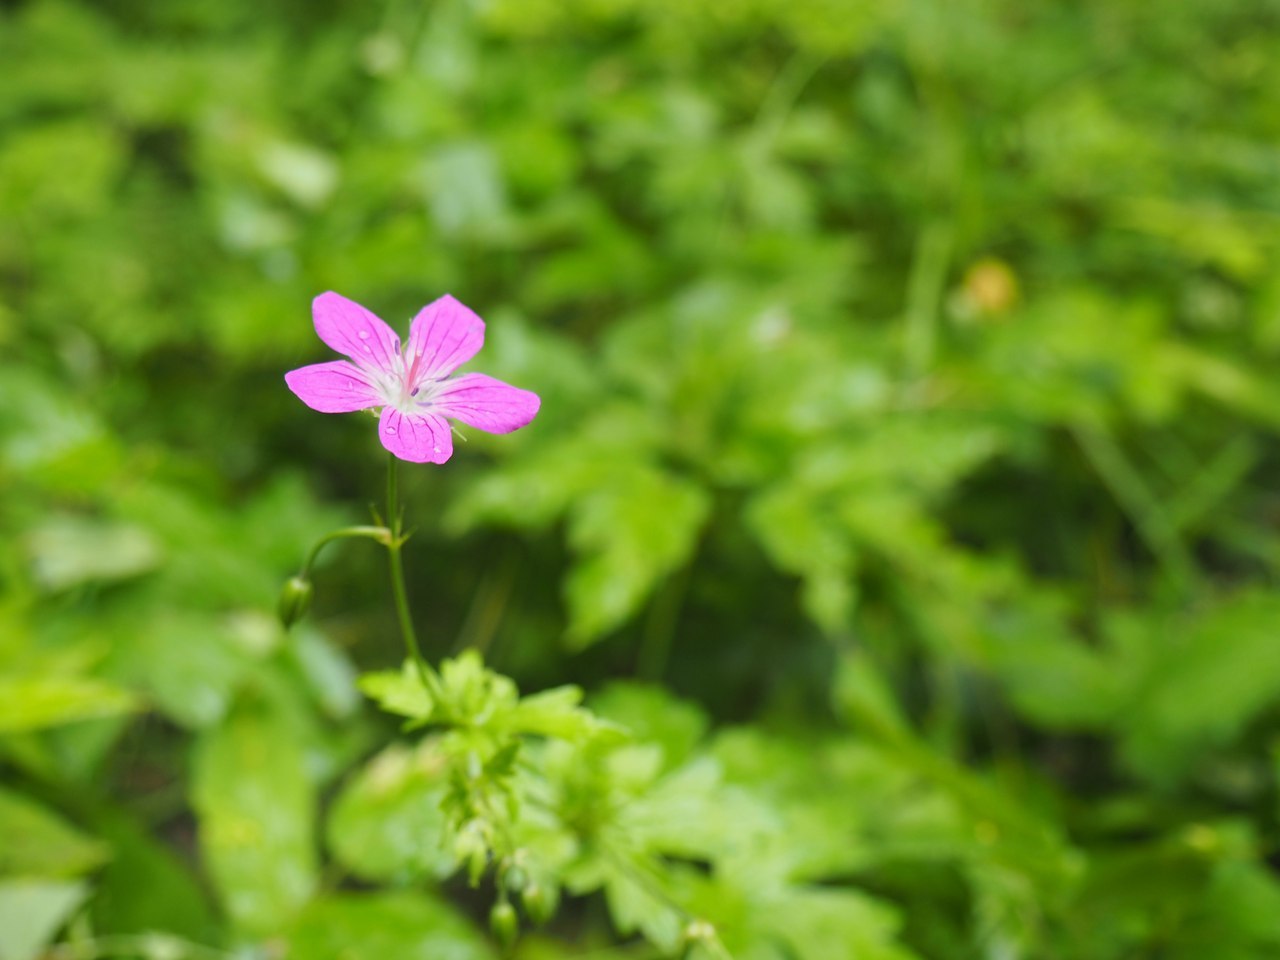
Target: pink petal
point(418, 438)
point(485, 403)
point(353, 331)
point(334, 387)
point(443, 336)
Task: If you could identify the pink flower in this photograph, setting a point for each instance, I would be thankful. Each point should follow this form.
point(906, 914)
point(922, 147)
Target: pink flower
point(413, 386)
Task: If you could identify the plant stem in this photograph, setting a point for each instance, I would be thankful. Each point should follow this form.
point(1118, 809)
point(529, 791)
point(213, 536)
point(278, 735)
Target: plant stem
point(1136, 499)
point(924, 294)
point(396, 541)
point(381, 534)
point(660, 627)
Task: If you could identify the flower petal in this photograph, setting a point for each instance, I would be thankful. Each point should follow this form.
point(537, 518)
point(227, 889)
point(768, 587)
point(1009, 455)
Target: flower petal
point(416, 437)
point(353, 331)
point(485, 403)
point(334, 387)
point(443, 336)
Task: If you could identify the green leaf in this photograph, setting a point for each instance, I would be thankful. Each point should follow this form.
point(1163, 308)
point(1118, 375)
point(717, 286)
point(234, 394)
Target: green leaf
point(70, 551)
point(637, 902)
point(146, 886)
point(406, 926)
point(1205, 685)
point(302, 172)
point(474, 694)
point(386, 824)
point(32, 912)
point(256, 808)
point(329, 674)
point(555, 713)
point(864, 697)
point(36, 842)
point(189, 665)
point(60, 169)
point(33, 703)
point(400, 693)
point(640, 527)
point(802, 538)
point(464, 190)
point(832, 924)
point(653, 715)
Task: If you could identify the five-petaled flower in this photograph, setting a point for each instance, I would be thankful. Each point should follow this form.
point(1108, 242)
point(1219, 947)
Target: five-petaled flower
point(413, 385)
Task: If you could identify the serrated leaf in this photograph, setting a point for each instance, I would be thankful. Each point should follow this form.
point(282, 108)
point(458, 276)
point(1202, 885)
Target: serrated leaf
point(833, 924)
point(653, 715)
point(1203, 689)
point(555, 713)
point(401, 693)
point(632, 889)
point(801, 538)
point(630, 534)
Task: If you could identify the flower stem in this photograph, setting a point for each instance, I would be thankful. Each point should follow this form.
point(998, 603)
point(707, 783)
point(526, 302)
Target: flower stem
point(394, 544)
point(381, 534)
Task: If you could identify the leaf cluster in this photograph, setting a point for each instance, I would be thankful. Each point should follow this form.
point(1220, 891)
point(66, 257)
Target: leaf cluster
point(909, 428)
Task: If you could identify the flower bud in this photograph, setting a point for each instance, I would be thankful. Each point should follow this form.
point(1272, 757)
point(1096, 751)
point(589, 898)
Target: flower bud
point(539, 901)
point(503, 923)
point(471, 846)
point(516, 878)
point(295, 600)
point(699, 931)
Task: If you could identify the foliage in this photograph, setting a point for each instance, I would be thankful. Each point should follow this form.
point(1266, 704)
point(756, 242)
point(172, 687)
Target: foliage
point(891, 571)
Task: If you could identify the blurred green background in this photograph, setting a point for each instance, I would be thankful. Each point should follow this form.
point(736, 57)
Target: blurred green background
point(906, 473)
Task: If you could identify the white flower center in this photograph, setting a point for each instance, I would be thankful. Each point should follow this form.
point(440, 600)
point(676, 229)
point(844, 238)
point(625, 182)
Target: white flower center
point(395, 390)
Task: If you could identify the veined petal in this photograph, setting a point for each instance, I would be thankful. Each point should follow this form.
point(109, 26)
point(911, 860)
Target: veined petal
point(443, 336)
point(334, 387)
point(416, 437)
point(352, 330)
point(485, 403)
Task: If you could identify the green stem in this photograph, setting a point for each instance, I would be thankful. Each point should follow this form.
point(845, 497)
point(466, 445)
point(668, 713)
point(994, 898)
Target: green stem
point(381, 534)
point(660, 627)
point(1145, 510)
point(394, 544)
point(924, 295)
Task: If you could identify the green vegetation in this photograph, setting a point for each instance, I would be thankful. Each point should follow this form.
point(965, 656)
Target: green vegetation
point(903, 506)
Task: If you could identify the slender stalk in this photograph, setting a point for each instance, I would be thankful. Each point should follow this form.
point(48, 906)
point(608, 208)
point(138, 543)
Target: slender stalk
point(924, 294)
point(1135, 497)
point(660, 627)
point(381, 534)
point(395, 520)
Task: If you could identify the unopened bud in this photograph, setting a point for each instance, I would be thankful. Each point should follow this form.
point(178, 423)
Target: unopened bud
point(516, 878)
point(472, 847)
point(295, 600)
point(503, 922)
point(539, 902)
point(699, 931)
